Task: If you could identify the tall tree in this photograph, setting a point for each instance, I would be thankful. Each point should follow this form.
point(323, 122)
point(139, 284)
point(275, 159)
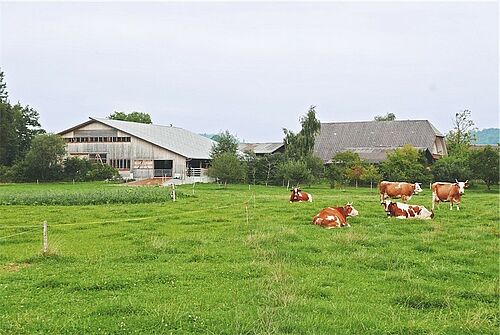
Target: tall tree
point(226, 143)
point(138, 117)
point(18, 126)
point(3, 89)
point(300, 145)
point(386, 117)
point(459, 139)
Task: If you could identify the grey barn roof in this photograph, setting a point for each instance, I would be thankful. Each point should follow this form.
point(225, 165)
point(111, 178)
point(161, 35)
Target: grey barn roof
point(372, 140)
point(260, 148)
point(178, 140)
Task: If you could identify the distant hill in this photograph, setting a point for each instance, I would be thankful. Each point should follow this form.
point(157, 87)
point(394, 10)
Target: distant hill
point(488, 136)
point(214, 137)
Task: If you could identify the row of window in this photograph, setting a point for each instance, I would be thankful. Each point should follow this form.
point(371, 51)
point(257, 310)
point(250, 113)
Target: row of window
point(102, 139)
point(119, 163)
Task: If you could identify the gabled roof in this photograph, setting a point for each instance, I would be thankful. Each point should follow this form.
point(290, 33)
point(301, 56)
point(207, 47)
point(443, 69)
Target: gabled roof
point(178, 140)
point(260, 148)
point(373, 139)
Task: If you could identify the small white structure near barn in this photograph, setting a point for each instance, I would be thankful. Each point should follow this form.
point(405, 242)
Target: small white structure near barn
point(141, 151)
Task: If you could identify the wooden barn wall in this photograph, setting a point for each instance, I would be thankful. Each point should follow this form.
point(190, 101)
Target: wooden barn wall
point(136, 150)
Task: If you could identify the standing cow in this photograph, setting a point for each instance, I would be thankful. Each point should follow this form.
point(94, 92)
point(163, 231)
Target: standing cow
point(335, 217)
point(452, 192)
point(299, 196)
point(401, 190)
point(405, 211)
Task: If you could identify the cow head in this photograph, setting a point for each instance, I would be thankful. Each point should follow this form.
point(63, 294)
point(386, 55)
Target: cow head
point(462, 185)
point(417, 189)
point(349, 210)
point(387, 206)
point(295, 194)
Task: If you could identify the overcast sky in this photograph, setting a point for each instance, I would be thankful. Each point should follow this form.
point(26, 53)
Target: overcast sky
point(252, 68)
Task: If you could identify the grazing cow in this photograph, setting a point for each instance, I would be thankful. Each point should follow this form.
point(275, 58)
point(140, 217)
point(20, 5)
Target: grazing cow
point(299, 196)
point(405, 211)
point(401, 190)
point(451, 192)
point(335, 217)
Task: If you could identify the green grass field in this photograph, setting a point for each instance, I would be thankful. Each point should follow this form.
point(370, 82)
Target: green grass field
point(198, 266)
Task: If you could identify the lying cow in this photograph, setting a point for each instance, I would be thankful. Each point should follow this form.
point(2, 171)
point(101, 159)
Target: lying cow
point(451, 192)
point(405, 211)
point(299, 196)
point(401, 190)
point(335, 217)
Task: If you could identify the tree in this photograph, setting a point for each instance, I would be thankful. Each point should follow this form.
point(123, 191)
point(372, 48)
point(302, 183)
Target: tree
point(450, 168)
point(295, 172)
point(406, 164)
point(18, 126)
point(138, 117)
point(371, 174)
point(299, 146)
point(227, 168)
point(227, 143)
point(345, 167)
point(386, 117)
point(484, 163)
point(44, 159)
point(460, 138)
point(8, 136)
point(3, 89)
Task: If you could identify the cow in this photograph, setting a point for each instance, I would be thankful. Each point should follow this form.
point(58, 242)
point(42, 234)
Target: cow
point(452, 192)
point(405, 211)
point(299, 196)
point(401, 190)
point(335, 217)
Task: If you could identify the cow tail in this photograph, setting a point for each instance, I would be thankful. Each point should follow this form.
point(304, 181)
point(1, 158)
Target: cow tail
point(432, 213)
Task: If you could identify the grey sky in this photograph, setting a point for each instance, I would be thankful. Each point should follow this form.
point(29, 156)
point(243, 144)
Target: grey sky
point(252, 68)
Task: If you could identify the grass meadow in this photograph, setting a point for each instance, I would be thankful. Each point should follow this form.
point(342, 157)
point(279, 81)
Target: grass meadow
point(242, 261)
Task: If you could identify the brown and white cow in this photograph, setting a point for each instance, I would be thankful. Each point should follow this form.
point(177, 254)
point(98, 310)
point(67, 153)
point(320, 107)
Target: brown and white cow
point(452, 192)
point(401, 190)
point(405, 211)
point(299, 196)
point(335, 217)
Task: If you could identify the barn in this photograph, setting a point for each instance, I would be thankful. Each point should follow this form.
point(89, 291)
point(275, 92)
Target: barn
point(261, 149)
point(139, 150)
point(373, 140)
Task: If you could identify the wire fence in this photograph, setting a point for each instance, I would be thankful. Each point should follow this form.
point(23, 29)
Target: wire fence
point(31, 228)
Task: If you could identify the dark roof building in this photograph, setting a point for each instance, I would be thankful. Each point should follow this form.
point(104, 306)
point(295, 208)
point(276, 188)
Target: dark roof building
point(373, 140)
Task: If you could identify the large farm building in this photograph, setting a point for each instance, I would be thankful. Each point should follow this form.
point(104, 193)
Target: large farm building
point(373, 140)
point(140, 150)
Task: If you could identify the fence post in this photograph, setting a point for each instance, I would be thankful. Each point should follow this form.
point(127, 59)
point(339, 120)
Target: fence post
point(173, 192)
point(246, 210)
point(45, 239)
point(193, 187)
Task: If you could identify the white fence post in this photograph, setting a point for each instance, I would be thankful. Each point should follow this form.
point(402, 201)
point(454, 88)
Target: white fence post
point(45, 238)
point(173, 192)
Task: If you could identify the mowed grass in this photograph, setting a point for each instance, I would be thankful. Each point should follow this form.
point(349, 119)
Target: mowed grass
point(199, 266)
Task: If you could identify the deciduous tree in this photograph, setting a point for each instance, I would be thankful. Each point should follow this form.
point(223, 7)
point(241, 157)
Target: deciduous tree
point(139, 117)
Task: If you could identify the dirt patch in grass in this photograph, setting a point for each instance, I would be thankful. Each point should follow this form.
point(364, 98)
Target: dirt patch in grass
point(14, 267)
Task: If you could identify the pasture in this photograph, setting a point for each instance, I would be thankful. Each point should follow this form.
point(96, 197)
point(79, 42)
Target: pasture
point(242, 261)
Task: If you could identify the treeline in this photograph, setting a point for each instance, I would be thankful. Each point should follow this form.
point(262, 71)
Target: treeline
point(28, 153)
point(298, 165)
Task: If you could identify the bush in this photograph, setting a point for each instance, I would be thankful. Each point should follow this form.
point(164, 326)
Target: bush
point(485, 164)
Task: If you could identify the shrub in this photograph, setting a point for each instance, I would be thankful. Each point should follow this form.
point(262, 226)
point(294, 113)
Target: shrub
point(406, 164)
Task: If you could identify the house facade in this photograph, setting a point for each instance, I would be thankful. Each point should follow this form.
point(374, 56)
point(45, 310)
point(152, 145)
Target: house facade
point(140, 151)
point(373, 140)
